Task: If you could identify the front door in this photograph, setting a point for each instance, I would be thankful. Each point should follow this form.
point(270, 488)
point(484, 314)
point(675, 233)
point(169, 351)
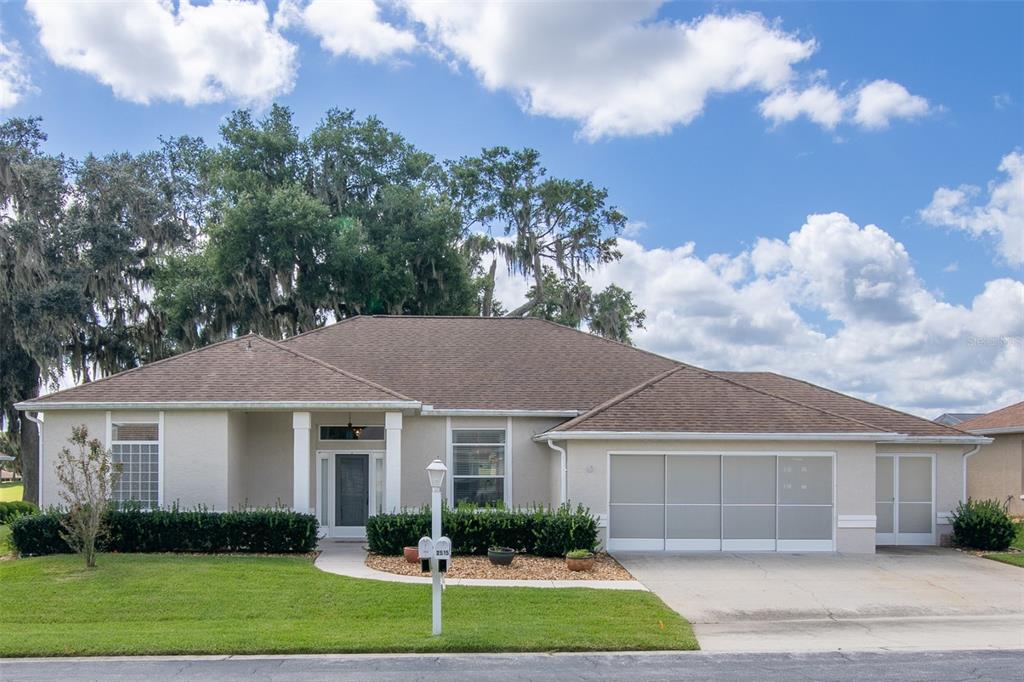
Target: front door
point(349, 487)
point(904, 500)
point(352, 491)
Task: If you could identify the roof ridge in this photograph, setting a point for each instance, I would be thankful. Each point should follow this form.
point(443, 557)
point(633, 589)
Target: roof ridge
point(797, 402)
point(868, 402)
point(130, 370)
point(615, 400)
point(633, 391)
point(333, 368)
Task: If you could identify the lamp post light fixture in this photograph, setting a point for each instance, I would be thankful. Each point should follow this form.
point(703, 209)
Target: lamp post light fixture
point(436, 471)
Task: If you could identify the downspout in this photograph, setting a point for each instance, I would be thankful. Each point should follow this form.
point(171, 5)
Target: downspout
point(38, 421)
point(563, 489)
point(967, 455)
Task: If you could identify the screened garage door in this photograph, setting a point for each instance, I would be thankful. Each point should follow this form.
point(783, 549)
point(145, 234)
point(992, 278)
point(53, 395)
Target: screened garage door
point(721, 502)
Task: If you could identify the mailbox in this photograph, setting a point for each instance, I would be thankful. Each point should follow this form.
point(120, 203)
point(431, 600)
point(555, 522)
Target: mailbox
point(443, 552)
point(426, 552)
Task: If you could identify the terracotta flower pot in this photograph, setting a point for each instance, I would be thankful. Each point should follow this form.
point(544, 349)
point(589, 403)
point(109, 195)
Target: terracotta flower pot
point(584, 564)
point(411, 554)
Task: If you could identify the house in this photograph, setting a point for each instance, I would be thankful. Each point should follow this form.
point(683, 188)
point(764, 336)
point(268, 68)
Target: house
point(342, 421)
point(997, 471)
point(955, 418)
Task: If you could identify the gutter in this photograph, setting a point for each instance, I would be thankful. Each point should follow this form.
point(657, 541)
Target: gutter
point(225, 404)
point(431, 411)
point(563, 483)
point(38, 421)
point(699, 435)
point(999, 430)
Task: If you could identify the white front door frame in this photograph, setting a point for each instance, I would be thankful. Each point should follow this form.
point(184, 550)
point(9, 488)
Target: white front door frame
point(324, 506)
point(896, 537)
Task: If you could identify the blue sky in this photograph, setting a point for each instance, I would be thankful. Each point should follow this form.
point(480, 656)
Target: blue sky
point(723, 176)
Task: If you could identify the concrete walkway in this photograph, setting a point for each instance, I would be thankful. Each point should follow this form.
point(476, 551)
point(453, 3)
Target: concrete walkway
point(349, 558)
point(906, 598)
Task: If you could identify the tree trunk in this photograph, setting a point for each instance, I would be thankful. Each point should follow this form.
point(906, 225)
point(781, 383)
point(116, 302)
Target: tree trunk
point(488, 304)
point(30, 456)
point(523, 309)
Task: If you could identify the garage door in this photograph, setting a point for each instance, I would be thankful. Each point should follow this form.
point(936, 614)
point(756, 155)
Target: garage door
point(720, 502)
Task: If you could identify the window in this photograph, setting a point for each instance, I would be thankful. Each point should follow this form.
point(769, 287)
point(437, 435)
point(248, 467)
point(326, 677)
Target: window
point(135, 448)
point(478, 466)
point(351, 432)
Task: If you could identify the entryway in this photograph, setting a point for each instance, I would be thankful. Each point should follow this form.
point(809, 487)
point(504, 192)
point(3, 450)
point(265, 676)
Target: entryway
point(905, 499)
point(349, 488)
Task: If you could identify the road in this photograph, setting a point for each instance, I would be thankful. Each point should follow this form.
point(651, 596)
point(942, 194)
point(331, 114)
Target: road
point(917, 666)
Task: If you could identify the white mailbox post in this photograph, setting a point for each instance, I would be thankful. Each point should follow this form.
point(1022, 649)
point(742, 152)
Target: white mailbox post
point(435, 472)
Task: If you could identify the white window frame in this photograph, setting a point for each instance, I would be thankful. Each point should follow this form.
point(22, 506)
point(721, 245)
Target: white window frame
point(450, 446)
point(110, 442)
point(724, 544)
point(320, 427)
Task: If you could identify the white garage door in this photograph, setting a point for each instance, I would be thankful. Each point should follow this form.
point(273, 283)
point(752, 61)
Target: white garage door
point(721, 502)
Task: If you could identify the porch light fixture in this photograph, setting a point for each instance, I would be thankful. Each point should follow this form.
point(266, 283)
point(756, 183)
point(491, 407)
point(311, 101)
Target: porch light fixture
point(435, 472)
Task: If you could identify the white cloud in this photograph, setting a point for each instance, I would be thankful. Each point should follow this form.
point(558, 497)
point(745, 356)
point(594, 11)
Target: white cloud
point(614, 67)
point(14, 79)
point(353, 27)
point(146, 51)
point(1001, 216)
point(819, 103)
point(834, 303)
point(881, 101)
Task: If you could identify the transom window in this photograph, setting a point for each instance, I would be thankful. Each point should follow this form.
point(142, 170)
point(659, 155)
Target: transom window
point(478, 466)
point(135, 449)
point(349, 432)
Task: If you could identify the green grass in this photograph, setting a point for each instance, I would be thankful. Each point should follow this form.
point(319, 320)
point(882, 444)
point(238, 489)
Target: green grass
point(10, 492)
point(5, 540)
point(1012, 558)
point(174, 604)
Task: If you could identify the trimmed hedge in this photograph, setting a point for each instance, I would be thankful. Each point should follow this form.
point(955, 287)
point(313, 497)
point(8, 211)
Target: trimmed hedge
point(983, 524)
point(264, 531)
point(538, 531)
point(12, 510)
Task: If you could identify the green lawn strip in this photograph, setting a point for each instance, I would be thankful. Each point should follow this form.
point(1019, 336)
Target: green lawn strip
point(1012, 558)
point(10, 492)
point(5, 540)
point(1018, 542)
point(172, 604)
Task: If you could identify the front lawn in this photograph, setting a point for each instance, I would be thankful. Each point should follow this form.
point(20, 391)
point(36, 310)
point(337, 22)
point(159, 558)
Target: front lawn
point(174, 604)
point(1013, 558)
point(11, 492)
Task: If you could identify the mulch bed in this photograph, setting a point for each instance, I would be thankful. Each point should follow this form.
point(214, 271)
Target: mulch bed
point(524, 567)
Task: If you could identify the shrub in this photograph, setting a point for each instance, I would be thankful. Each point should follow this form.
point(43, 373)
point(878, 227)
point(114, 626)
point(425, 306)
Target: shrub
point(12, 510)
point(579, 554)
point(983, 524)
point(271, 531)
point(539, 531)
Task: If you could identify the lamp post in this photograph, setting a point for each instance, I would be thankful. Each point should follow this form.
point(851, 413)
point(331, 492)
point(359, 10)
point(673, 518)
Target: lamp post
point(435, 472)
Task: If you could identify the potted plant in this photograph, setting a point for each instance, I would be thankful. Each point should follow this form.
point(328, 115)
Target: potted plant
point(501, 556)
point(580, 560)
point(411, 554)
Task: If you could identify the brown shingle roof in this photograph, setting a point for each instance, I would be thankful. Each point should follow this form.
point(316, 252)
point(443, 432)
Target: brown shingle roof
point(483, 363)
point(1009, 417)
point(883, 418)
point(690, 400)
point(247, 369)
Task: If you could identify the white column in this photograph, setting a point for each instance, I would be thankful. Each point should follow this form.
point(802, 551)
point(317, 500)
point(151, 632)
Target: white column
point(300, 462)
point(393, 462)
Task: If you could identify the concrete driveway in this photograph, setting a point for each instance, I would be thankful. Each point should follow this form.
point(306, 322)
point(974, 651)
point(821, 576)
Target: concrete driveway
point(920, 598)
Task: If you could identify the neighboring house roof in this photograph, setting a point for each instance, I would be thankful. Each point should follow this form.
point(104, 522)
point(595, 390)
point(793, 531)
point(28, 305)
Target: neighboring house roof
point(954, 418)
point(689, 400)
point(483, 363)
point(1009, 419)
point(249, 369)
point(883, 418)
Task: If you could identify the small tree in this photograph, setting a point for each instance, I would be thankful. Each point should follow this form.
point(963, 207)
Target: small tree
point(87, 478)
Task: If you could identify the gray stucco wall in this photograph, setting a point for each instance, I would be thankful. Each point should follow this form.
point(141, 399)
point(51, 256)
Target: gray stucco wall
point(56, 431)
point(196, 459)
point(266, 459)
